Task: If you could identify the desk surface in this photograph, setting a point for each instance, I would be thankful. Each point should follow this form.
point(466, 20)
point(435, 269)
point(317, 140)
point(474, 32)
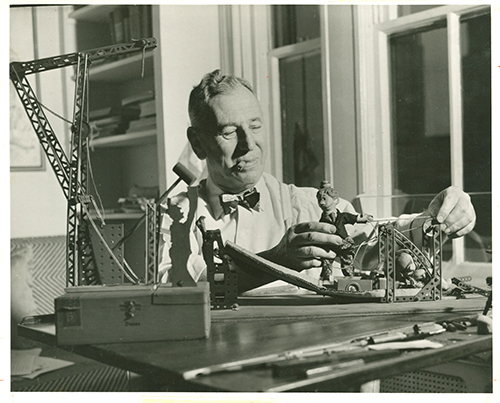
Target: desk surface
point(271, 326)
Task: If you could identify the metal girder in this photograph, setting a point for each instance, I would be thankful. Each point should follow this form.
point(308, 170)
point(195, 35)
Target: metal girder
point(81, 266)
point(429, 258)
point(46, 136)
point(72, 173)
point(56, 62)
point(432, 247)
point(222, 277)
point(387, 254)
point(152, 216)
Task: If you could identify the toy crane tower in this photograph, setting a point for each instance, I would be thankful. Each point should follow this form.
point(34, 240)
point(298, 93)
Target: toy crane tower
point(72, 172)
point(429, 258)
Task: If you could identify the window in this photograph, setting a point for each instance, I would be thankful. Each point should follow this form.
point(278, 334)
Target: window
point(294, 24)
point(420, 112)
point(296, 63)
point(436, 74)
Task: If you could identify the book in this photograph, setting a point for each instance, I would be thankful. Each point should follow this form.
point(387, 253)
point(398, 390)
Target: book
point(146, 26)
point(130, 23)
point(130, 111)
point(136, 98)
point(111, 125)
point(134, 19)
point(142, 124)
point(126, 25)
point(106, 121)
point(117, 28)
point(147, 108)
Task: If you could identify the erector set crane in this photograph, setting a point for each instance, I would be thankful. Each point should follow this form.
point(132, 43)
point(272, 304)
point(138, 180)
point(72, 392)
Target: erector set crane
point(72, 172)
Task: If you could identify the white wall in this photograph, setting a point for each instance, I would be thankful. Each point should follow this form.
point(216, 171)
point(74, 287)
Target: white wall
point(188, 38)
point(38, 205)
point(188, 46)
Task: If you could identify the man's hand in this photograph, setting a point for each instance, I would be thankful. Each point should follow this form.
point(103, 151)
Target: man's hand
point(304, 245)
point(364, 218)
point(454, 211)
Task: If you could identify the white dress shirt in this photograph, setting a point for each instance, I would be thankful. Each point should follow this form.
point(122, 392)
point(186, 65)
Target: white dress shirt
point(280, 207)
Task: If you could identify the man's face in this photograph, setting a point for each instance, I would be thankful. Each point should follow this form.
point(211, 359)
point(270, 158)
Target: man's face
point(235, 146)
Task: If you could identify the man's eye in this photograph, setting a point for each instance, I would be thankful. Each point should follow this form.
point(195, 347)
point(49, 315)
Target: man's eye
point(256, 128)
point(229, 134)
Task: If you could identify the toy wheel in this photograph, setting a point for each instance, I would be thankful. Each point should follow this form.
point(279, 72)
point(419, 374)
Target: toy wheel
point(352, 287)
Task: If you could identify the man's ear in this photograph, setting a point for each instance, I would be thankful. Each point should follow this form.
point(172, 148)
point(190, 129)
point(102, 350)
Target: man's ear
point(194, 139)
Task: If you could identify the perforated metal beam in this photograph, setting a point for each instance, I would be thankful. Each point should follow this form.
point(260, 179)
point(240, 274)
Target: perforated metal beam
point(429, 258)
point(71, 173)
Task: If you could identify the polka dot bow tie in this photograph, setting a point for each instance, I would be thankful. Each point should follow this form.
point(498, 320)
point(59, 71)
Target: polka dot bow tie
point(248, 199)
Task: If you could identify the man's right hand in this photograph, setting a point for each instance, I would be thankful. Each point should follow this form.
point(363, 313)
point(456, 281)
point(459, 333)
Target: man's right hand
point(304, 245)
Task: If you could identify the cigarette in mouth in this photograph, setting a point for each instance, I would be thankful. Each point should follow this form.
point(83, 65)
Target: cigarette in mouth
point(240, 165)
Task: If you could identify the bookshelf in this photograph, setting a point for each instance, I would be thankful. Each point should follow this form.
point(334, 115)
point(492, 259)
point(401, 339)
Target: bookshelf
point(123, 69)
point(125, 140)
point(120, 159)
point(116, 151)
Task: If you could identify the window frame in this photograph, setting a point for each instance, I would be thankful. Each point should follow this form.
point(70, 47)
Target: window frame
point(246, 50)
point(383, 24)
point(275, 56)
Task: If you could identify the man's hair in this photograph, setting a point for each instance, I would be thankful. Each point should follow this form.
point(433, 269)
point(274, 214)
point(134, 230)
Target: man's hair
point(212, 84)
point(327, 188)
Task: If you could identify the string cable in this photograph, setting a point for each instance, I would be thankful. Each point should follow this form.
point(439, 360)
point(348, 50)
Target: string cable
point(375, 237)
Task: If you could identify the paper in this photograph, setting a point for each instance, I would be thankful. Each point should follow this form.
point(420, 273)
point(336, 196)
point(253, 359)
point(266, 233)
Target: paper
point(22, 362)
point(29, 364)
point(406, 345)
point(47, 364)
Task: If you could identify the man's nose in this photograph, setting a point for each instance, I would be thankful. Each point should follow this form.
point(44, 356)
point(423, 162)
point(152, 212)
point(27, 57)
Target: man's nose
point(246, 140)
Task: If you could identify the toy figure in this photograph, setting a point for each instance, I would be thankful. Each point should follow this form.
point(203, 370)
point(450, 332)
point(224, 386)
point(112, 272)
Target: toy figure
point(328, 199)
point(407, 272)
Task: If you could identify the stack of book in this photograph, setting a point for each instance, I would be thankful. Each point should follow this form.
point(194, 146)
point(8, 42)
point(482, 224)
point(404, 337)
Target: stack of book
point(113, 120)
point(137, 198)
point(129, 23)
point(145, 103)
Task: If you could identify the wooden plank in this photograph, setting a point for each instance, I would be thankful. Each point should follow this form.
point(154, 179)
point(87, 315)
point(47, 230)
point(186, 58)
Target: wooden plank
point(246, 259)
point(294, 307)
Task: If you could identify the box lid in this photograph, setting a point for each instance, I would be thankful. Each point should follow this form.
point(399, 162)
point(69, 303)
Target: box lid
point(168, 295)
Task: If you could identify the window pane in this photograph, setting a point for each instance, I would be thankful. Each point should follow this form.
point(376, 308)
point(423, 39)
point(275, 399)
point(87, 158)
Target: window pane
point(302, 119)
point(476, 90)
point(420, 106)
point(407, 9)
point(416, 203)
point(293, 24)
point(478, 246)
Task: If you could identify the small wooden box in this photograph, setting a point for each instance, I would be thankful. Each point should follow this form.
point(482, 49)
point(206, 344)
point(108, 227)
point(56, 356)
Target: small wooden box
point(125, 313)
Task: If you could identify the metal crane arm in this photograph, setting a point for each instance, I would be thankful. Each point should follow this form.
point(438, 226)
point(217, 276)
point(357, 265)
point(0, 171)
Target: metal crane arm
point(56, 62)
point(71, 173)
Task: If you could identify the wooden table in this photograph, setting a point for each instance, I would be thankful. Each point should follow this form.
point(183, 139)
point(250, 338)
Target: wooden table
point(268, 325)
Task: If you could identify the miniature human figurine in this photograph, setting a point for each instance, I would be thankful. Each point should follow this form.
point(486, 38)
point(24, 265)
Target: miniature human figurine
point(328, 199)
point(407, 272)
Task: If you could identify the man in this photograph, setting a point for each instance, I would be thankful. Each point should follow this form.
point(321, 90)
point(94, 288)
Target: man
point(227, 130)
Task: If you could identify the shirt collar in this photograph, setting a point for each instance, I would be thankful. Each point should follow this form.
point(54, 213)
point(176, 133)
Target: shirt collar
point(210, 192)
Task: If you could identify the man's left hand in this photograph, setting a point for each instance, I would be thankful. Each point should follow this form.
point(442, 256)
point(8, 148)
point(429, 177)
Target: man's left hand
point(454, 211)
